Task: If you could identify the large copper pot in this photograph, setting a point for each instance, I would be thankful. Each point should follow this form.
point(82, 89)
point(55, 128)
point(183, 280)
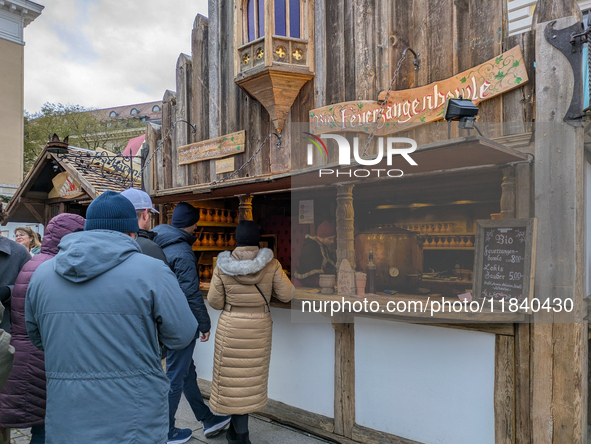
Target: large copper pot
point(397, 253)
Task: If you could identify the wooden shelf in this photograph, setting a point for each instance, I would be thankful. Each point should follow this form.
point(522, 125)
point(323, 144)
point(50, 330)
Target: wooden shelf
point(212, 248)
point(215, 224)
point(448, 248)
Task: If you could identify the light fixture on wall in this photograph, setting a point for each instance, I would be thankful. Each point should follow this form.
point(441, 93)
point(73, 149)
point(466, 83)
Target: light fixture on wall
point(464, 111)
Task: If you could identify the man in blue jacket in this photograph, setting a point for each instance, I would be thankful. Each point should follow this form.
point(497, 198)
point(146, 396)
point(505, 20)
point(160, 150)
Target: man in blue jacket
point(98, 310)
point(176, 241)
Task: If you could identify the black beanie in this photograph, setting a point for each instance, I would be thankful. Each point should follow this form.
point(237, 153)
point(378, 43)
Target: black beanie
point(247, 234)
point(184, 215)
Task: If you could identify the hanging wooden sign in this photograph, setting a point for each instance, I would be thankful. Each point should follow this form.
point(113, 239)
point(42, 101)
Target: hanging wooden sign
point(223, 146)
point(224, 165)
point(412, 107)
point(65, 186)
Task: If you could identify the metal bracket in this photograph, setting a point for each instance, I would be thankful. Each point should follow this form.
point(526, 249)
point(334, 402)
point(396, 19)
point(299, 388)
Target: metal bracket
point(569, 41)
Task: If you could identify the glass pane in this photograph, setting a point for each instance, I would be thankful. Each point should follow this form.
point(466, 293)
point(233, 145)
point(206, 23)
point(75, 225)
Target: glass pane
point(250, 9)
point(280, 26)
point(294, 18)
point(261, 18)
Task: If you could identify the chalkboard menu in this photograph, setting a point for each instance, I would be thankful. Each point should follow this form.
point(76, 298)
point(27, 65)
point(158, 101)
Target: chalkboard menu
point(504, 258)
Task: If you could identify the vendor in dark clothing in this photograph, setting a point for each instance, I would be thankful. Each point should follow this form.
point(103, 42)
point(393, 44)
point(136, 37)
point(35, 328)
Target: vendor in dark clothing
point(317, 257)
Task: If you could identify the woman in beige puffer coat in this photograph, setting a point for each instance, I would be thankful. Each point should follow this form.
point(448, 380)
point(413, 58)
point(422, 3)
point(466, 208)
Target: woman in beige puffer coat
point(243, 334)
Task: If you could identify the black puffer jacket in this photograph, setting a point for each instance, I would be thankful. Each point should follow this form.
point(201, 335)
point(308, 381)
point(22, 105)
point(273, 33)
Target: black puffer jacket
point(176, 244)
point(145, 239)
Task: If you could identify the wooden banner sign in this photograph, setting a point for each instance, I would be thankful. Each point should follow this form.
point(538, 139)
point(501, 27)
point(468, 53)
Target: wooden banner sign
point(213, 148)
point(412, 107)
point(65, 186)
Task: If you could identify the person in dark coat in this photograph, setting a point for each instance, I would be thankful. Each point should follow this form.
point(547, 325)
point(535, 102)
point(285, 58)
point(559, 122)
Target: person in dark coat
point(316, 257)
point(176, 241)
point(12, 258)
point(98, 310)
point(6, 353)
point(22, 401)
point(145, 211)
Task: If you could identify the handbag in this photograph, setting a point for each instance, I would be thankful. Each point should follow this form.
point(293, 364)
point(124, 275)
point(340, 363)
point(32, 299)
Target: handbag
point(268, 308)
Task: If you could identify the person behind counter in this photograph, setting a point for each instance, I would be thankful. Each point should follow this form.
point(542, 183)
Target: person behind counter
point(316, 257)
point(242, 284)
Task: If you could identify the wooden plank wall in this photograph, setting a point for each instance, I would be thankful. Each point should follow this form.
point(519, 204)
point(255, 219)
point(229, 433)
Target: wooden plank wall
point(367, 38)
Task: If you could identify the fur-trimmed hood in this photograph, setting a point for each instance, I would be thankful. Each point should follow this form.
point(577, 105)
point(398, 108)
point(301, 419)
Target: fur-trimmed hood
point(245, 264)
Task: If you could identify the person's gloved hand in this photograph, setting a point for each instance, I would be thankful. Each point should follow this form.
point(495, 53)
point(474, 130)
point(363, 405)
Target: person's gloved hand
point(4, 293)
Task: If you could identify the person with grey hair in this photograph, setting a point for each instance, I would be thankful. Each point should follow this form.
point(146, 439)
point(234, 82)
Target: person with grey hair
point(105, 382)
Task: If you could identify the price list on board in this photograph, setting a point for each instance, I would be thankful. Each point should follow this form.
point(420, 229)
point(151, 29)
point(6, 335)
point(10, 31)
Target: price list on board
point(503, 261)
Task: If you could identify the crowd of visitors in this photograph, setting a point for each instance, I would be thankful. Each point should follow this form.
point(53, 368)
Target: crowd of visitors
point(92, 312)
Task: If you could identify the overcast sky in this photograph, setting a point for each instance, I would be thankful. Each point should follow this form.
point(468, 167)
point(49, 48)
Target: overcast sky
point(103, 53)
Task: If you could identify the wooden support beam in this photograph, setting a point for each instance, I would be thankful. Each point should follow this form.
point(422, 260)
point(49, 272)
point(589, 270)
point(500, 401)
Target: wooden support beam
point(344, 382)
point(508, 194)
point(345, 225)
point(182, 117)
point(523, 431)
point(547, 10)
point(504, 391)
point(34, 212)
point(559, 343)
point(367, 435)
point(245, 207)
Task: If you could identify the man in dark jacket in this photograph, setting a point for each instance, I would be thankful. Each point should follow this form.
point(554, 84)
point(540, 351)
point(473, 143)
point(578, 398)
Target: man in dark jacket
point(176, 241)
point(12, 258)
point(100, 336)
point(145, 211)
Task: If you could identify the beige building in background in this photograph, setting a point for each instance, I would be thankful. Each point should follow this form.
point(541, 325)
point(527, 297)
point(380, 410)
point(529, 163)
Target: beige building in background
point(15, 15)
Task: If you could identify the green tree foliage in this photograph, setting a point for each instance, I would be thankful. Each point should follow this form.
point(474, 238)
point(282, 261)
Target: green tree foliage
point(83, 126)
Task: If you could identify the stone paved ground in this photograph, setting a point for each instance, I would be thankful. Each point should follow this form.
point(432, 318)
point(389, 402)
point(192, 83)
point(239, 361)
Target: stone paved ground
point(262, 431)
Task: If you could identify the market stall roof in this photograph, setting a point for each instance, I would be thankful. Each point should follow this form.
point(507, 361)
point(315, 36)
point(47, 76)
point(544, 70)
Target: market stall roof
point(85, 178)
point(134, 145)
point(439, 157)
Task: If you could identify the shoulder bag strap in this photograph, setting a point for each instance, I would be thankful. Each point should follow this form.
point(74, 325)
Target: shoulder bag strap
point(268, 308)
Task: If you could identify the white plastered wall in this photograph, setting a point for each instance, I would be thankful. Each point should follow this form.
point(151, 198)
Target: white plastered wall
point(430, 384)
point(301, 373)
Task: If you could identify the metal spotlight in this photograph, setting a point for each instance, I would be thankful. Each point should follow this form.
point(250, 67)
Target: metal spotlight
point(461, 110)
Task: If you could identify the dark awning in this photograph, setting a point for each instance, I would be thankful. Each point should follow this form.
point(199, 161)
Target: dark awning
point(439, 157)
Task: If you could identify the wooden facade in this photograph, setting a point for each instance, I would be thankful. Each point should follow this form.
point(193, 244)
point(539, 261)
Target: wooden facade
point(540, 367)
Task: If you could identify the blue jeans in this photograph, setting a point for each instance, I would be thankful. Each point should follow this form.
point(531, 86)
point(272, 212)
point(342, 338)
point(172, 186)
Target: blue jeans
point(180, 370)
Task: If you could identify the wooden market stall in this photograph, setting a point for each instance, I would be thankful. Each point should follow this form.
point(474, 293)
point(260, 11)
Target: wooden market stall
point(67, 182)
point(232, 143)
